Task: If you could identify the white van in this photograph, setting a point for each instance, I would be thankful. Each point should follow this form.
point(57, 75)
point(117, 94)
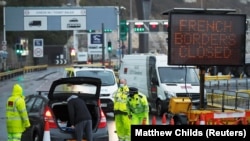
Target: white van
point(159, 81)
point(109, 83)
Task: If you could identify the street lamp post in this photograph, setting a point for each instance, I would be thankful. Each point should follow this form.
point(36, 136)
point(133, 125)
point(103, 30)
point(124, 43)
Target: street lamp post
point(130, 28)
point(3, 3)
point(4, 42)
point(121, 8)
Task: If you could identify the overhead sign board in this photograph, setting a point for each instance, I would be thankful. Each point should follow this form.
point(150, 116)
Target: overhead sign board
point(206, 39)
point(61, 18)
point(54, 12)
point(35, 23)
point(73, 22)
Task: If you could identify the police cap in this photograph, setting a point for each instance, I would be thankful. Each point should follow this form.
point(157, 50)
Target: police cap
point(133, 90)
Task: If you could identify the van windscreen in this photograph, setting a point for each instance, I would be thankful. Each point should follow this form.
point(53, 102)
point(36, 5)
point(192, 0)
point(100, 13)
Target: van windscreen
point(178, 75)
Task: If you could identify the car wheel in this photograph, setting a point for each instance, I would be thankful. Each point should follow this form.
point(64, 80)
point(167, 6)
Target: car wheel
point(177, 121)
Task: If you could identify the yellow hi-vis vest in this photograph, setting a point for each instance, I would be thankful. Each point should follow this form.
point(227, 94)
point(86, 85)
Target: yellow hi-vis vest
point(120, 99)
point(138, 104)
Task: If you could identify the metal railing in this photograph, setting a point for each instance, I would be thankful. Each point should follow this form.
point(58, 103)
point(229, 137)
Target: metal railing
point(26, 69)
point(225, 99)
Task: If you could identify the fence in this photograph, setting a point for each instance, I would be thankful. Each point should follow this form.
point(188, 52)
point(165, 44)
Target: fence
point(225, 82)
point(26, 69)
point(225, 99)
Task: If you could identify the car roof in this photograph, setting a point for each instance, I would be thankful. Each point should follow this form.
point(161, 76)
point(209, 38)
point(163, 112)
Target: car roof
point(76, 68)
point(76, 81)
point(88, 67)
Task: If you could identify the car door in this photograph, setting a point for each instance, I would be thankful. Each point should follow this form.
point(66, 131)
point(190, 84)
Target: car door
point(35, 107)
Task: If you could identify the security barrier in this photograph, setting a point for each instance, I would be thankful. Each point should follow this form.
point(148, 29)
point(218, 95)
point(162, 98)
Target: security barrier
point(217, 77)
point(225, 99)
point(26, 69)
point(10, 74)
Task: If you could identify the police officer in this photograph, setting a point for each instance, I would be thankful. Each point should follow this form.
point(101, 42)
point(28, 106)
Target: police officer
point(122, 121)
point(138, 107)
point(17, 117)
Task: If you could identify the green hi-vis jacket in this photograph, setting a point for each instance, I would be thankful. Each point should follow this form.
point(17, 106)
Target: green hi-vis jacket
point(138, 105)
point(17, 118)
point(120, 100)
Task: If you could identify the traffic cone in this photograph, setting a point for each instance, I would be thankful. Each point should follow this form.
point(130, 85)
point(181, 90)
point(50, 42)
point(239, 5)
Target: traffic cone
point(153, 120)
point(164, 119)
point(218, 122)
point(244, 121)
point(202, 119)
point(46, 134)
point(197, 122)
point(171, 122)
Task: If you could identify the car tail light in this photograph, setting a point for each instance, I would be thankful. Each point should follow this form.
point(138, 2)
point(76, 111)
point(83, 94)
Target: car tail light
point(153, 89)
point(103, 120)
point(49, 117)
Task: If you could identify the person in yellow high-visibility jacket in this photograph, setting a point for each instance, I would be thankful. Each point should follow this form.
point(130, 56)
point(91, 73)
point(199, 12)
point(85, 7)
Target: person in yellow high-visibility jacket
point(138, 107)
point(17, 117)
point(122, 121)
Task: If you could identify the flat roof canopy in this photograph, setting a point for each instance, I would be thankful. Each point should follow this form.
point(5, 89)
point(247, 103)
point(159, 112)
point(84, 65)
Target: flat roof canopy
point(198, 10)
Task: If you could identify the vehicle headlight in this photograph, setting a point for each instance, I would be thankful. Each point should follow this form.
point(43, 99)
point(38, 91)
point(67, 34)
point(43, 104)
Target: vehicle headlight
point(169, 94)
point(114, 93)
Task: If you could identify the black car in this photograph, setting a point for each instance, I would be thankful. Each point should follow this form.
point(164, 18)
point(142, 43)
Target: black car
point(51, 106)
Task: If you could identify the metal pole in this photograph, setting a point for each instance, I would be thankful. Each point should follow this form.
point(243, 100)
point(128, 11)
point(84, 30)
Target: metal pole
point(122, 48)
point(118, 35)
point(131, 10)
point(130, 28)
point(4, 30)
point(202, 86)
point(4, 42)
point(103, 45)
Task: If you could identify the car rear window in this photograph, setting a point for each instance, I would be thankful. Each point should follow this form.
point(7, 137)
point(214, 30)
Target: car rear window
point(76, 88)
point(107, 77)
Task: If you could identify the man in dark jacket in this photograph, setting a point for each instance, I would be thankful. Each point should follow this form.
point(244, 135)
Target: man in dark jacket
point(80, 118)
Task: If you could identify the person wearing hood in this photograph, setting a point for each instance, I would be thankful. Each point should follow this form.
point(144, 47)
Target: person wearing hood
point(80, 118)
point(17, 120)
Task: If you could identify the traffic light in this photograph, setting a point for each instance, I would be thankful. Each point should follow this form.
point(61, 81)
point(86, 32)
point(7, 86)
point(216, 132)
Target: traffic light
point(139, 27)
point(90, 31)
point(72, 52)
point(165, 26)
point(109, 46)
point(19, 49)
point(107, 30)
point(153, 26)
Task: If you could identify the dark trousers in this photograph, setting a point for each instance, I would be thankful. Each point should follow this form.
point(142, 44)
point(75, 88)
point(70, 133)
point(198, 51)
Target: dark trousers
point(84, 128)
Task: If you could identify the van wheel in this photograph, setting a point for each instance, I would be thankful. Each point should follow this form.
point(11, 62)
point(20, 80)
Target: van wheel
point(159, 111)
point(247, 71)
point(180, 119)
